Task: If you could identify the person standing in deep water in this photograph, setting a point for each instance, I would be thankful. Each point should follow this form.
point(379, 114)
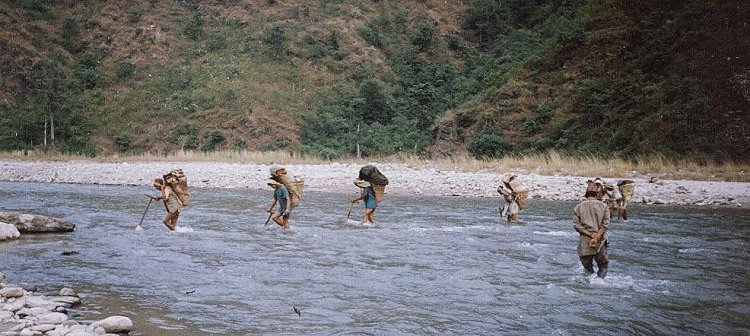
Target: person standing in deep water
point(591, 219)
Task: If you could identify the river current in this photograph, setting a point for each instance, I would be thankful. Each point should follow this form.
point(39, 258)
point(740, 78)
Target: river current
point(430, 266)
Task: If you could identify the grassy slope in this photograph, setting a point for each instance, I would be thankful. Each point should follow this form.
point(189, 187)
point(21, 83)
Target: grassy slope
point(254, 95)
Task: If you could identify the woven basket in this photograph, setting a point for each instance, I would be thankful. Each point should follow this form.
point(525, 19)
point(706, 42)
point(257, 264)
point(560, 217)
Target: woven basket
point(176, 180)
point(283, 178)
point(521, 198)
point(295, 191)
point(379, 191)
point(627, 190)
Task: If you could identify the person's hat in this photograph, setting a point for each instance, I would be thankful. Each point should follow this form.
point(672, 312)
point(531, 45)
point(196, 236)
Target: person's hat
point(273, 183)
point(598, 181)
point(361, 183)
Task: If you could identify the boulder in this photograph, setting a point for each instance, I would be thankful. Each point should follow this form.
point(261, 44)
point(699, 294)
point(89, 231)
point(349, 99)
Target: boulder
point(114, 324)
point(27, 223)
point(12, 292)
point(8, 231)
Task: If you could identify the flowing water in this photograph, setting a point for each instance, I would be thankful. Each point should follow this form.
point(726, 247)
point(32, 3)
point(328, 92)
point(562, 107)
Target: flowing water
point(432, 265)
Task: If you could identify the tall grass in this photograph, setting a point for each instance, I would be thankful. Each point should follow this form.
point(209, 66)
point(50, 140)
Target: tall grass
point(549, 163)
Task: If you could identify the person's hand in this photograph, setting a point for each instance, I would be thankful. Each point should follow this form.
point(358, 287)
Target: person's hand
point(269, 210)
point(286, 214)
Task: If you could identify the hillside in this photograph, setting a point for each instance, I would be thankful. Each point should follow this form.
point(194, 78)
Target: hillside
point(329, 78)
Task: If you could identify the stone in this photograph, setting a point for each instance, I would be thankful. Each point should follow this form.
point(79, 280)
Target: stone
point(115, 324)
point(65, 291)
point(8, 231)
point(52, 318)
point(12, 292)
point(27, 223)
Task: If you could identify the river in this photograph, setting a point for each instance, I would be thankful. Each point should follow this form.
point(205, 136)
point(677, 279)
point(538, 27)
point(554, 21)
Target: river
point(431, 265)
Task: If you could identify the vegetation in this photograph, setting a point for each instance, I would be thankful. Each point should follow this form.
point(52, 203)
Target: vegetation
point(335, 79)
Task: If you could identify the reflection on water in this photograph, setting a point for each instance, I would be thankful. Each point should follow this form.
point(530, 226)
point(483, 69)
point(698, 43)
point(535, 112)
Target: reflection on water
point(431, 265)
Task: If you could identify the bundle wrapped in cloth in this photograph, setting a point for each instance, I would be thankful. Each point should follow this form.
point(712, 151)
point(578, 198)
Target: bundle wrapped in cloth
point(377, 180)
point(177, 180)
point(292, 183)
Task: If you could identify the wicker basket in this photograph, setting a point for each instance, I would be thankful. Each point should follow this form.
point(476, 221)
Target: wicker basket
point(521, 199)
point(176, 180)
point(295, 191)
point(379, 191)
point(627, 190)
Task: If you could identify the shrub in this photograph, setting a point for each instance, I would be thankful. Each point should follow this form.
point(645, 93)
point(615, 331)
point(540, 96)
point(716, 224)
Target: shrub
point(123, 142)
point(194, 27)
point(422, 36)
point(216, 42)
point(275, 37)
point(125, 69)
point(211, 140)
point(487, 144)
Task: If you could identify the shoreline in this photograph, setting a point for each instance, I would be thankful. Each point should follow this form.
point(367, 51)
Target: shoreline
point(404, 180)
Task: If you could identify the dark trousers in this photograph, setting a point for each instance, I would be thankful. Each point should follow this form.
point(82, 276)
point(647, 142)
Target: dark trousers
point(601, 262)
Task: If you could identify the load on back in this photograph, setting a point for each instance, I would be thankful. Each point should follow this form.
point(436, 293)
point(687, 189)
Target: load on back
point(292, 183)
point(177, 180)
point(371, 174)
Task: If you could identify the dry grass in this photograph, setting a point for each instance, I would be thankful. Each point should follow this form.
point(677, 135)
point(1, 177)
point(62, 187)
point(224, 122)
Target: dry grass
point(551, 163)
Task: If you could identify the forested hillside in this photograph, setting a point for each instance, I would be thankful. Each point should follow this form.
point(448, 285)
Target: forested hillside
point(335, 78)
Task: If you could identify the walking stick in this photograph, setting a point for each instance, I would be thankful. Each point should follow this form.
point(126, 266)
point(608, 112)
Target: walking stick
point(351, 205)
point(144, 213)
point(269, 219)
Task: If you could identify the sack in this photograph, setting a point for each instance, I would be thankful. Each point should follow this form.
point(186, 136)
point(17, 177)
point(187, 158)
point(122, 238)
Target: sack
point(177, 180)
point(379, 191)
point(371, 174)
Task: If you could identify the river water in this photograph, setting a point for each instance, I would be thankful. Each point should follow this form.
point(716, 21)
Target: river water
point(432, 265)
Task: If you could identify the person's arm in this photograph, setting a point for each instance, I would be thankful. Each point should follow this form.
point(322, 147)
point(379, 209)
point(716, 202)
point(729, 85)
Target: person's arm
point(578, 225)
point(270, 208)
point(288, 198)
point(602, 228)
point(361, 197)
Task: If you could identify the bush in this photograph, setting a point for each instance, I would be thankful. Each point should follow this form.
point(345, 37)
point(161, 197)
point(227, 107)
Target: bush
point(488, 145)
point(275, 37)
point(194, 27)
point(211, 140)
point(123, 142)
point(422, 36)
point(125, 69)
point(186, 136)
point(216, 42)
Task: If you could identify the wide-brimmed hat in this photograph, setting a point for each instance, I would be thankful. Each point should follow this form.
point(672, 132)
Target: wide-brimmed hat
point(598, 181)
point(361, 183)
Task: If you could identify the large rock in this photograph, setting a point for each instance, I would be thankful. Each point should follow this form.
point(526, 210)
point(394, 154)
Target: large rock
point(114, 324)
point(26, 223)
point(8, 231)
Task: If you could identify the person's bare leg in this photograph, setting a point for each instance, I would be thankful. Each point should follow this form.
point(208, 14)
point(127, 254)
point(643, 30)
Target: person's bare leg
point(277, 219)
point(168, 221)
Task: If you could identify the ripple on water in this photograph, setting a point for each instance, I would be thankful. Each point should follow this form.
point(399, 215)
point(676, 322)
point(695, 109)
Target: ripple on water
point(431, 265)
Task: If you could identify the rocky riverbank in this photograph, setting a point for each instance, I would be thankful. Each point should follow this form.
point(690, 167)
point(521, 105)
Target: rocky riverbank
point(24, 312)
point(404, 180)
